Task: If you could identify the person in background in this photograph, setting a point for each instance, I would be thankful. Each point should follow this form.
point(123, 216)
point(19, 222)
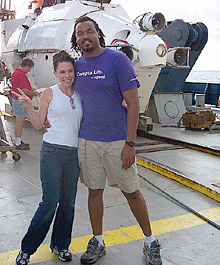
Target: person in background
point(19, 80)
point(107, 134)
point(59, 168)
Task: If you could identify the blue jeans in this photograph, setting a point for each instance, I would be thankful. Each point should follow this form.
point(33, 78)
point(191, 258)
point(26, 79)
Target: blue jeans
point(59, 171)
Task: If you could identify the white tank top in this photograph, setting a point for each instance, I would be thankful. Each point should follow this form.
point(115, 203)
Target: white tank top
point(64, 120)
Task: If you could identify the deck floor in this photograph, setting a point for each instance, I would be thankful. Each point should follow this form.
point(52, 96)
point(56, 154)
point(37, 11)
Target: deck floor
point(185, 238)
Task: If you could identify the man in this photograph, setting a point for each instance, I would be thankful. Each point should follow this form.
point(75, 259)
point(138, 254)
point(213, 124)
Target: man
point(19, 79)
point(106, 145)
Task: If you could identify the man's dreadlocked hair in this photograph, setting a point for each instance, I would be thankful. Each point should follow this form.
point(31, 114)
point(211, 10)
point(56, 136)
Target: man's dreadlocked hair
point(75, 45)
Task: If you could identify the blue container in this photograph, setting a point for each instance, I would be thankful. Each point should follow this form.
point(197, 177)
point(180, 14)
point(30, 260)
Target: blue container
point(211, 91)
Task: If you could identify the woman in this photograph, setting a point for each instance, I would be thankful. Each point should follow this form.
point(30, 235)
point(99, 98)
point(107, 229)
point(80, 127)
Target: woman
point(59, 168)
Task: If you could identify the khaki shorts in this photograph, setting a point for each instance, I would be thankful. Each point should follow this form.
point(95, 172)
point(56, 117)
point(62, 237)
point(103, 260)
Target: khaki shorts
point(101, 160)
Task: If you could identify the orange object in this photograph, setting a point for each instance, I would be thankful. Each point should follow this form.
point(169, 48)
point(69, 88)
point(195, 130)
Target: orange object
point(37, 3)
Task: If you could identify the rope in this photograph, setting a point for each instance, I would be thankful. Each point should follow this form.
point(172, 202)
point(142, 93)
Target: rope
point(182, 204)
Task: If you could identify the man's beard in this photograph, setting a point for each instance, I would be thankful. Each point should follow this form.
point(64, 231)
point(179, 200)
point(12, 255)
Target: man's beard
point(87, 49)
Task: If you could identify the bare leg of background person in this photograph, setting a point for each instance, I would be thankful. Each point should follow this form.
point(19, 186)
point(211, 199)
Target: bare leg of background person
point(19, 122)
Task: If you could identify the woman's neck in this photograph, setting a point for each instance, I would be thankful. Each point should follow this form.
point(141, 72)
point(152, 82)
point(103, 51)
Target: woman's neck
point(68, 91)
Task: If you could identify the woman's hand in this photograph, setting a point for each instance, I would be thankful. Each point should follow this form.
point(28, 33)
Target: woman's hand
point(23, 99)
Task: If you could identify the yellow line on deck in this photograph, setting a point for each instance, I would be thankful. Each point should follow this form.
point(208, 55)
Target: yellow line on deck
point(120, 236)
point(179, 178)
point(203, 149)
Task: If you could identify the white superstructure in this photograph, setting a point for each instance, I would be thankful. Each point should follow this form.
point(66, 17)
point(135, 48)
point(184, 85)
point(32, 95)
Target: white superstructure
point(38, 37)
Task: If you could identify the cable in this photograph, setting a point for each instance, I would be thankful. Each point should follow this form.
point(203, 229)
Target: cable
point(182, 204)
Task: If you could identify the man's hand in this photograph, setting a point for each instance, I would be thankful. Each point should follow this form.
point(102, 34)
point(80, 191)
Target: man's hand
point(127, 156)
point(35, 93)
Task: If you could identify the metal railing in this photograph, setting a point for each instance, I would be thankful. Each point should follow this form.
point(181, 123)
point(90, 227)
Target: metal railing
point(5, 12)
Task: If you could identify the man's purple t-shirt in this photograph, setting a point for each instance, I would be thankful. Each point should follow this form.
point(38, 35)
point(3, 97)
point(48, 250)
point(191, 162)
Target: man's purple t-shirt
point(100, 81)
